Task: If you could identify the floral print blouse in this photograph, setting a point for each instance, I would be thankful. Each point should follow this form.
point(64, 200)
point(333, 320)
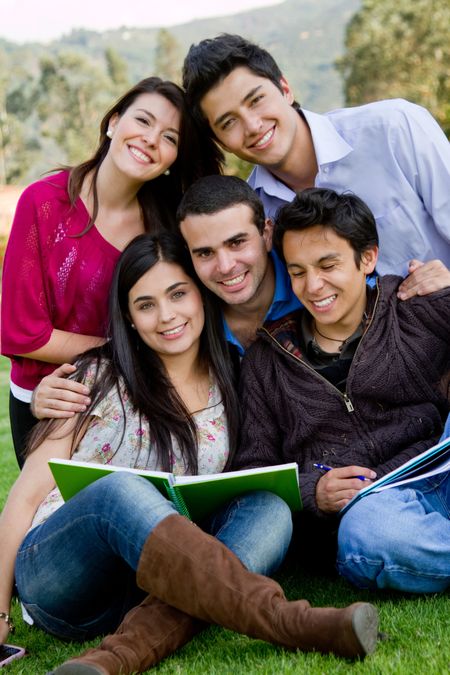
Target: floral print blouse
point(99, 444)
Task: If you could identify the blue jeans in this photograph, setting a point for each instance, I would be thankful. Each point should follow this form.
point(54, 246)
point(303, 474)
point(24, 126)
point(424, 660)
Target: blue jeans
point(399, 538)
point(75, 572)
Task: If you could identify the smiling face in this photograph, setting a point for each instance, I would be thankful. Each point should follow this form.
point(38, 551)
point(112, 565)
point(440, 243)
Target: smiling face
point(166, 309)
point(326, 279)
point(252, 118)
point(229, 254)
point(145, 137)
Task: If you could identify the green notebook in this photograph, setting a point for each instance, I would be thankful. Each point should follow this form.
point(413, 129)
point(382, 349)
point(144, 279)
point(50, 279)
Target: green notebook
point(193, 496)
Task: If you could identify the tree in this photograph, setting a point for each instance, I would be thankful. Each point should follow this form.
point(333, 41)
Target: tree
point(117, 69)
point(71, 97)
point(399, 48)
point(167, 57)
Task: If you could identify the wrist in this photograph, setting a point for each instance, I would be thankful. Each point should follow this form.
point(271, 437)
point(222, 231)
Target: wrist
point(32, 402)
point(4, 616)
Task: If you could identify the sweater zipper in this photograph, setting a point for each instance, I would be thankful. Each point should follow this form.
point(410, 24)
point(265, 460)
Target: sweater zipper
point(347, 401)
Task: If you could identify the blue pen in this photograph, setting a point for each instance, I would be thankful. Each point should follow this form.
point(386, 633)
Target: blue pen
point(324, 467)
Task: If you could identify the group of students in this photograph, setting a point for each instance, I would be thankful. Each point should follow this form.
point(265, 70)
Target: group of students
point(348, 369)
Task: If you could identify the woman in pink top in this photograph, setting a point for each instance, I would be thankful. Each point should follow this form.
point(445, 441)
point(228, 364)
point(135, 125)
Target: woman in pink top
point(70, 227)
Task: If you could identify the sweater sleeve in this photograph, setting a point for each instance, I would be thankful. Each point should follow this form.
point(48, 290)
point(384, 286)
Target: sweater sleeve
point(429, 317)
point(264, 421)
point(26, 323)
point(261, 437)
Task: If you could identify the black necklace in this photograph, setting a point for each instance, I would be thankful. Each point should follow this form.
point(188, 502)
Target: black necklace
point(343, 342)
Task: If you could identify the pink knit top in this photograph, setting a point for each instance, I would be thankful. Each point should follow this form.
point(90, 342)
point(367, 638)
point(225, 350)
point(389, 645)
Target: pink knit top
point(50, 278)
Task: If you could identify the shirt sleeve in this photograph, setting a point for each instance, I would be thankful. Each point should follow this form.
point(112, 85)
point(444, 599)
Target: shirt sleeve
point(26, 321)
point(423, 152)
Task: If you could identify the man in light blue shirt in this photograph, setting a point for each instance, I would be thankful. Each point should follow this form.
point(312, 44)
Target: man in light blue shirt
point(392, 154)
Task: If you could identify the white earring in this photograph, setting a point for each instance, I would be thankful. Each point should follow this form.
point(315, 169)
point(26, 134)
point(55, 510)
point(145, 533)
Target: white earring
point(133, 326)
point(167, 172)
point(109, 133)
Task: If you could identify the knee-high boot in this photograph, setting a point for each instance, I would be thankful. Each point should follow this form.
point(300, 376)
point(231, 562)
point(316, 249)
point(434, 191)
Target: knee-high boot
point(148, 633)
point(196, 573)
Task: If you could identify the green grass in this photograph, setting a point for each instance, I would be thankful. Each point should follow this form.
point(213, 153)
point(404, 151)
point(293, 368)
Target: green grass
point(418, 627)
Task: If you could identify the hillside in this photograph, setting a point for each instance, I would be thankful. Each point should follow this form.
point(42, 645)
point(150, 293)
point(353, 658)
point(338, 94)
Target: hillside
point(305, 36)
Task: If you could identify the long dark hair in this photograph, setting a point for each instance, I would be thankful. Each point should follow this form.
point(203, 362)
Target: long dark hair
point(126, 357)
point(158, 198)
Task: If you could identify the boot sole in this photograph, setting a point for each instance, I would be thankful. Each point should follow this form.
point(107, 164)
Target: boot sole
point(365, 626)
point(76, 669)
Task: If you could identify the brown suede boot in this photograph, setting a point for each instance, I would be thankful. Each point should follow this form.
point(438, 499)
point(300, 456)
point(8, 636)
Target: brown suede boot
point(196, 573)
point(147, 634)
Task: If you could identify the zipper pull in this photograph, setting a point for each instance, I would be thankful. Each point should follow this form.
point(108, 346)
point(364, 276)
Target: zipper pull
point(348, 403)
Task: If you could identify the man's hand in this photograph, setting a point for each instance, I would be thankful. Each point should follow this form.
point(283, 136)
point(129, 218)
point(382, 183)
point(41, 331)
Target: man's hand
point(55, 396)
point(424, 278)
point(335, 488)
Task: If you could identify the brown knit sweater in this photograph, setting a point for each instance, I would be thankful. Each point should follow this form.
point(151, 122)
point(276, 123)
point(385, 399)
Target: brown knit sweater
point(291, 413)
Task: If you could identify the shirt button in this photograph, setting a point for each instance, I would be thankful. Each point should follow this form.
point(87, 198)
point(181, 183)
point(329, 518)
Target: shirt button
point(325, 169)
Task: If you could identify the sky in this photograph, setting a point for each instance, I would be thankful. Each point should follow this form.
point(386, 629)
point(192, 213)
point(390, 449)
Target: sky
point(44, 20)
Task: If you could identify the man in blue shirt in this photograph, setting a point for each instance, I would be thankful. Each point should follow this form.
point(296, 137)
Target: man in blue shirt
point(229, 238)
point(392, 154)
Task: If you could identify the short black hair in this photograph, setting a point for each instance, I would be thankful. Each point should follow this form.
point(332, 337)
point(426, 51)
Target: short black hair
point(211, 194)
point(346, 214)
point(211, 60)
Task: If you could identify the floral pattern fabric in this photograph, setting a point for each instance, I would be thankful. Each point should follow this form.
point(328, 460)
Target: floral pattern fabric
point(108, 441)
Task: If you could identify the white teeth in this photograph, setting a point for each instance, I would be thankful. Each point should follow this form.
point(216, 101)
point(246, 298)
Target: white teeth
point(173, 331)
point(139, 155)
point(235, 281)
point(265, 138)
point(325, 302)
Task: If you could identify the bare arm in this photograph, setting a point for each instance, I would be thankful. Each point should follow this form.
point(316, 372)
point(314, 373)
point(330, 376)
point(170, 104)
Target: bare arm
point(56, 396)
point(64, 347)
point(32, 486)
point(424, 278)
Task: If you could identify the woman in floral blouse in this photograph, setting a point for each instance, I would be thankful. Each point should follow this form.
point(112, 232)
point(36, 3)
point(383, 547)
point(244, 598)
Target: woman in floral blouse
point(163, 397)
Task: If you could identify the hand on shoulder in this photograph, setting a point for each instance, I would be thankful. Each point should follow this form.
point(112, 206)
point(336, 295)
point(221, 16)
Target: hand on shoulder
point(56, 396)
point(424, 278)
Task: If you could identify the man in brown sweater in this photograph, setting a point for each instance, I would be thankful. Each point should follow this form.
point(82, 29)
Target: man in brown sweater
point(348, 387)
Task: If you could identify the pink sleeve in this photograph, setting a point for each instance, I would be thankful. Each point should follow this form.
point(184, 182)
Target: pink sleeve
point(26, 323)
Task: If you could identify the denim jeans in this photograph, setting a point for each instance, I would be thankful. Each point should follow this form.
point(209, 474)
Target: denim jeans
point(399, 538)
point(75, 573)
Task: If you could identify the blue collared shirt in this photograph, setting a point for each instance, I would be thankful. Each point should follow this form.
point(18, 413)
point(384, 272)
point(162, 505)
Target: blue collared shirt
point(395, 157)
point(284, 300)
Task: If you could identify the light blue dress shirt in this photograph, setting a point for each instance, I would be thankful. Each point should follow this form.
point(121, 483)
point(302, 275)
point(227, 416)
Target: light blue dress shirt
point(395, 157)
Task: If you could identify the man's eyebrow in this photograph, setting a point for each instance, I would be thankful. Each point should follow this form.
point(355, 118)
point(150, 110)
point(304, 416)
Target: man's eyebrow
point(238, 235)
point(230, 240)
point(154, 119)
point(325, 258)
point(250, 94)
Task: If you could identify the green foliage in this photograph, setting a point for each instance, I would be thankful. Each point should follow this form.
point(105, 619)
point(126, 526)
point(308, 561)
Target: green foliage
point(399, 48)
point(50, 115)
point(168, 57)
point(71, 96)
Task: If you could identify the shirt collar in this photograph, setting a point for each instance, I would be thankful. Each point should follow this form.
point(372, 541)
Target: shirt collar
point(283, 293)
point(329, 146)
point(283, 289)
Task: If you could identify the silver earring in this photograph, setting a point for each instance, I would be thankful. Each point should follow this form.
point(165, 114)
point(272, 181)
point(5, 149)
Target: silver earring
point(133, 326)
point(109, 133)
point(167, 172)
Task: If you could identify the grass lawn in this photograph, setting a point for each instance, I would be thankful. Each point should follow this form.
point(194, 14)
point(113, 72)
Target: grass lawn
point(418, 627)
